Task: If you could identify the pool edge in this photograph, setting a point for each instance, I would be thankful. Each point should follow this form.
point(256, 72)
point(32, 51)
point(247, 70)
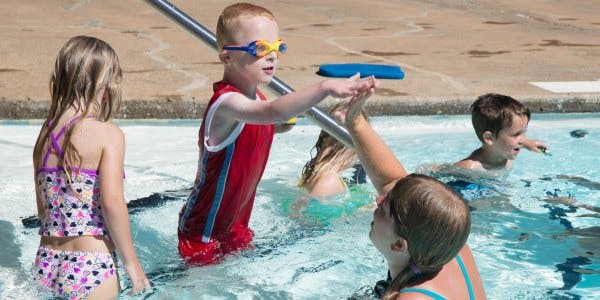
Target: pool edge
point(189, 109)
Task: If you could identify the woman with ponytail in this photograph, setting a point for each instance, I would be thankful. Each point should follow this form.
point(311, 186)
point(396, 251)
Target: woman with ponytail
point(421, 225)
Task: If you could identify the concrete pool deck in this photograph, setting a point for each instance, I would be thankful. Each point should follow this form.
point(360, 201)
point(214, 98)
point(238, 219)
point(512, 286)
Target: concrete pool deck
point(451, 51)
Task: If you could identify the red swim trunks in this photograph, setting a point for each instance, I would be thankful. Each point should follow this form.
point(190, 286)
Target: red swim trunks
point(198, 253)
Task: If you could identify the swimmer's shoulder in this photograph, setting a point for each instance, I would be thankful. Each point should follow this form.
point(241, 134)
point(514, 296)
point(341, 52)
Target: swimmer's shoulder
point(469, 164)
point(328, 184)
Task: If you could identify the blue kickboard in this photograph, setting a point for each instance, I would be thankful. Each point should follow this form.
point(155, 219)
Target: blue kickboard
point(347, 70)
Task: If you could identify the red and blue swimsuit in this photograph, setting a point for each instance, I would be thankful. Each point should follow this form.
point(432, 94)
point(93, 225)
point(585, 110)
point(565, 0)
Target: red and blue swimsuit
point(214, 220)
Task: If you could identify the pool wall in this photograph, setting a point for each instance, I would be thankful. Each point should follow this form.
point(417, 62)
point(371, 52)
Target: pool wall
point(193, 109)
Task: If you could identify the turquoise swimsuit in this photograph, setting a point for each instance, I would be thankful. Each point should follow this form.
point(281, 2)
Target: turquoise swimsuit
point(437, 296)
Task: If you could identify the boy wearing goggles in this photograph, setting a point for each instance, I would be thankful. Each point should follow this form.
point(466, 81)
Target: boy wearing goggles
point(260, 48)
point(237, 130)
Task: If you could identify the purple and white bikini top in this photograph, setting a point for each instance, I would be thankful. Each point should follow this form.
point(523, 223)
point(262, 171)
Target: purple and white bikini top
point(69, 209)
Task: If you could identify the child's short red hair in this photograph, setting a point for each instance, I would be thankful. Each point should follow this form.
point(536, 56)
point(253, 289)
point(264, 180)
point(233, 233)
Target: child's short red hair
point(228, 21)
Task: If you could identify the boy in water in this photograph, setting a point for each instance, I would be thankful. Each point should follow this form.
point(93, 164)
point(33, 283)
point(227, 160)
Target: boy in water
point(500, 123)
point(237, 130)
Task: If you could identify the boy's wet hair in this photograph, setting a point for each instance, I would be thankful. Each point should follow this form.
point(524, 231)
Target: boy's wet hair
point(493, 112)
point(433, 219)
point(228, 21)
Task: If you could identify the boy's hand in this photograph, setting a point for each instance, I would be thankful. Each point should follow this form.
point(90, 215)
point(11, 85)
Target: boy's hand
point(283, 127)
point(342, 88)
point(535, 146)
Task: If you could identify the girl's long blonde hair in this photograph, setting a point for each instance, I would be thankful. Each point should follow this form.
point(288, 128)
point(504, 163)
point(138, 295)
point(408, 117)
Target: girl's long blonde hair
point(84, 68)
point(329, 152)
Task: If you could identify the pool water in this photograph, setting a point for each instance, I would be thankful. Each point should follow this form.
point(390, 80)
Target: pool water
point(525, 248)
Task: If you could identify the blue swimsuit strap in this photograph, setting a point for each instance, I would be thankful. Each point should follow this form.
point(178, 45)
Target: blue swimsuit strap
point(437, 296)
point(423, 291)
point(466, 275)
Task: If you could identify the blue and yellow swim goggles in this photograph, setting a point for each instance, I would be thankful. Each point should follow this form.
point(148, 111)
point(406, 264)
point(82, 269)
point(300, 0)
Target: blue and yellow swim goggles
point(260, 48)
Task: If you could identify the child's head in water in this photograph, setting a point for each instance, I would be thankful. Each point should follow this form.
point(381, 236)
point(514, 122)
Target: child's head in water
point(500, 123)
point(421, 221)
point(86, 81)
point(331, 155)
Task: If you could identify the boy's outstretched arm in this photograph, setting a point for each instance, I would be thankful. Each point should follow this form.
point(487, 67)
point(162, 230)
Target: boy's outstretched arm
point(237, 107)
point(376, 157)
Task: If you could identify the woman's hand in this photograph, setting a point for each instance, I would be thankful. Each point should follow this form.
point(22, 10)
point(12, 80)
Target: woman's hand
point(352, 116)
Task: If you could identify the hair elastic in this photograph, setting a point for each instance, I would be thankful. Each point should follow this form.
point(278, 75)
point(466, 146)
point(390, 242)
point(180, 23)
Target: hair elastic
point(414, 268)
